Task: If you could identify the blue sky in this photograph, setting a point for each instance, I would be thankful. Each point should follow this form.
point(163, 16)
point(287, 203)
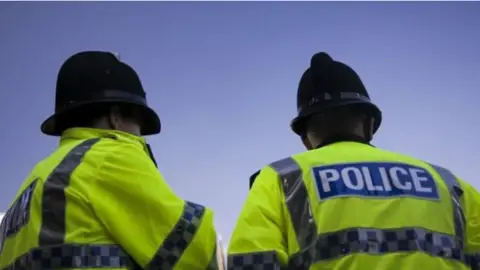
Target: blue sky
point(223, 77)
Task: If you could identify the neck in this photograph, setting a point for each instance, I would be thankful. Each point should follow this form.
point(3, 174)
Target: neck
point(326, 140)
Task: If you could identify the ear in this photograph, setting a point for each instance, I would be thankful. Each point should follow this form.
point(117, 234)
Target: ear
point(114, 117)
point(368, 128)
point(306, 142)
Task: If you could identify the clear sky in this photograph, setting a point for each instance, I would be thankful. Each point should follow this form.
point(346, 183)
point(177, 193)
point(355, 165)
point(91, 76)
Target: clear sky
point(223, 77)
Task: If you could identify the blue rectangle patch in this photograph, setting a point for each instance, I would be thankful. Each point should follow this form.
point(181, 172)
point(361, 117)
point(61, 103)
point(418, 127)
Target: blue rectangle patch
point(372, 179)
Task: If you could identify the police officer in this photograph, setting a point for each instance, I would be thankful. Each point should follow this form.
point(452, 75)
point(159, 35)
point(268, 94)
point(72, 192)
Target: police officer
point(345, 204)
point(98, 201)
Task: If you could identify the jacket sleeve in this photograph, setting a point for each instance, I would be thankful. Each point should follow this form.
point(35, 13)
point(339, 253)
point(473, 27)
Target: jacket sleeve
point(471, 202)
point(258, 240)
point(153, 225)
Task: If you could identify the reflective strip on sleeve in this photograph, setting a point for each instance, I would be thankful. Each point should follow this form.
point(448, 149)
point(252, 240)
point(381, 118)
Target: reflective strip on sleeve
point(179, 238)
point(258, 261)
point(298, 204)
point(296, 198)
point(68, 256)
point(54, 200)
point(455, 192)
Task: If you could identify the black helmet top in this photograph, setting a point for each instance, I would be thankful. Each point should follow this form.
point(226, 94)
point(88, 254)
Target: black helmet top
point(329, 84)
point(94, 77)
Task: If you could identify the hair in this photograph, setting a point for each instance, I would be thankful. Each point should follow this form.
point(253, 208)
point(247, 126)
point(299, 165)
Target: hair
point(337, 121)
point(89, 115)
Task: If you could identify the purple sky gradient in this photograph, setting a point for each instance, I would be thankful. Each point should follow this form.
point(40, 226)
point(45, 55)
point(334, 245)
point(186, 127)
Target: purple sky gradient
point(223, 77)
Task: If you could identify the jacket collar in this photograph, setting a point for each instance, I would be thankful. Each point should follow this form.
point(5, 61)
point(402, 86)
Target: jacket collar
point(343, 138)
point(89, 133)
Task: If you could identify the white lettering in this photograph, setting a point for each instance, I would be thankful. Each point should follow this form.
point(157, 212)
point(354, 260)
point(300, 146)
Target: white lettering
point(385, 179)
point(417, 180)
point(358, 179)
point(368, 180)
point(374, 180)
point(327, 176)
point(394, 174)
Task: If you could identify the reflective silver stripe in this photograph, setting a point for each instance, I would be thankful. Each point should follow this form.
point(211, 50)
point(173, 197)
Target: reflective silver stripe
point(54, 200)
point(179, 238)
point(376, 241)
point(69, 256)
point(296, 197)
point(258, 261)
point(455, 192)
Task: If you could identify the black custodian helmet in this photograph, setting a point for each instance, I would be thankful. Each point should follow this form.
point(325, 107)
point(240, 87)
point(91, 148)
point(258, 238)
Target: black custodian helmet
point(329, 84)
point(96, 77)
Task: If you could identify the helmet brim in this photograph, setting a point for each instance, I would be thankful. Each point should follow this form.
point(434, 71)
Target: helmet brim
point(298, 123)
point(151, 124)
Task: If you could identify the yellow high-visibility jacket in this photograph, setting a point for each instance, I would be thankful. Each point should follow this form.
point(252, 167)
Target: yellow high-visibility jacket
point(350, 206)
point(99, 202)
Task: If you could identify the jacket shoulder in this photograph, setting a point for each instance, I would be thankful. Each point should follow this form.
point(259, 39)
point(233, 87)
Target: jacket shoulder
point(283, 167)
point(114, 153)
point(111, 145)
